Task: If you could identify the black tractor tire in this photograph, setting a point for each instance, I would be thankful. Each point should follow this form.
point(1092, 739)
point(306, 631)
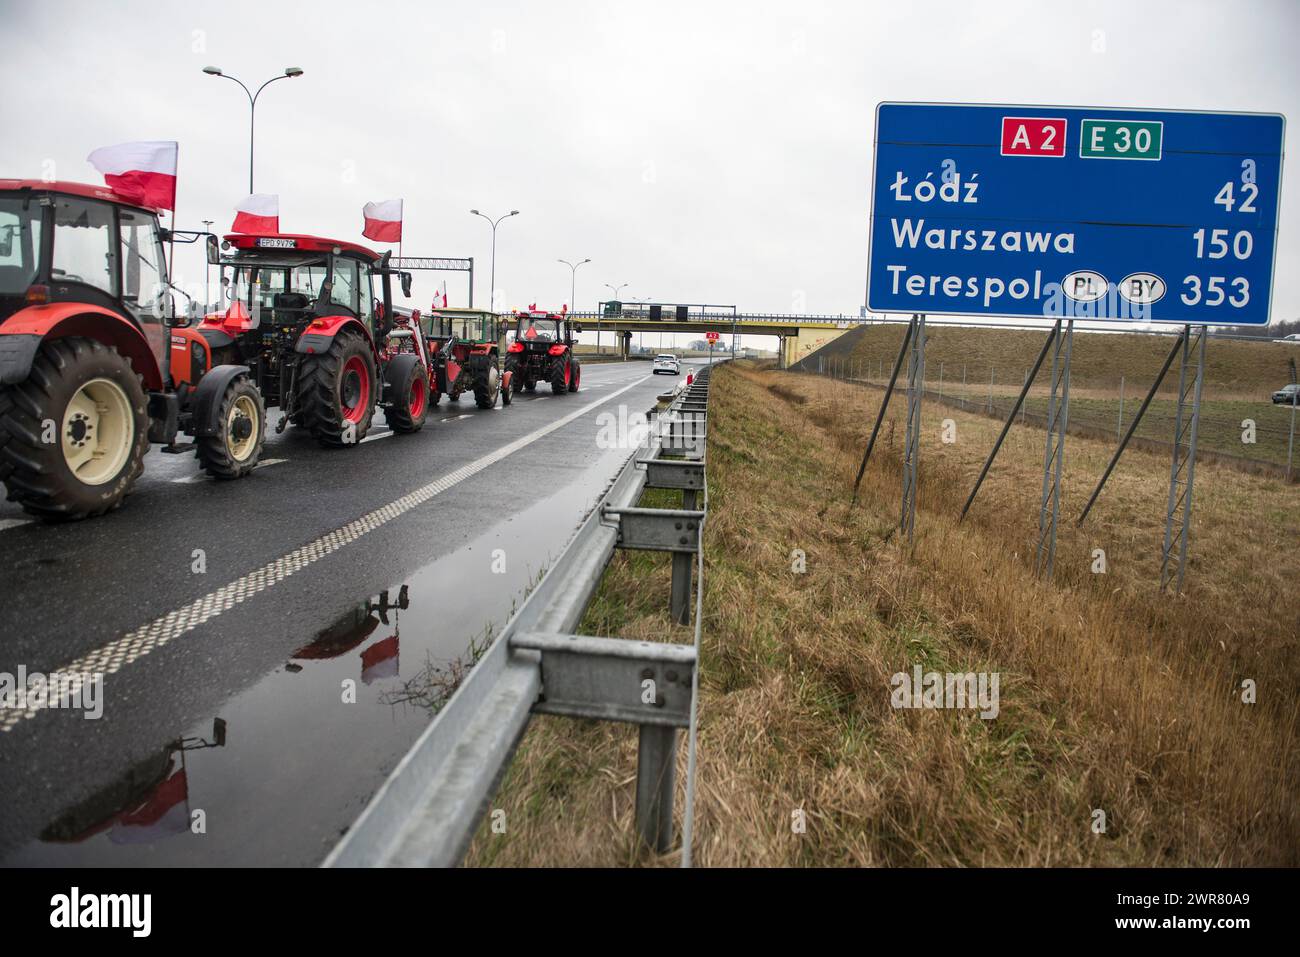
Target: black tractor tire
point(321, 383)
point(407, 391)
point(516, 374)
point(558, 384)
point(487, 382)
point(507, 394)
point(575, 374)
point(36, 472)
point(236, 449)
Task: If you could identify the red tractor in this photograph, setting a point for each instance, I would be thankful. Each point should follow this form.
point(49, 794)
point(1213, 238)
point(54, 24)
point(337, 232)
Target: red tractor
point(465, 349)
point(305, 324)
point(542, 351)
point(87, 380)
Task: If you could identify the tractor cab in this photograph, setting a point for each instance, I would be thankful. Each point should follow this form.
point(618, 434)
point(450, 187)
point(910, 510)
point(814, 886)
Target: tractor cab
point(471, 326)
point(279, 285)
point(314, 322)
point(538, 330)
point(65, 246)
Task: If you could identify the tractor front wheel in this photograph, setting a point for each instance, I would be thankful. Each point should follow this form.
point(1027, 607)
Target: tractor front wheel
point(74, 434)
point(336, 391)
point(234, 451)
point(408, 394)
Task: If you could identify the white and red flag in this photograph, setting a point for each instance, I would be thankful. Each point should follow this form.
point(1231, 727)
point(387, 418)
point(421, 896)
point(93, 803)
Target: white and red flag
point(258, 215)
point(143, 173)
point(440, 299)
point(383, 221)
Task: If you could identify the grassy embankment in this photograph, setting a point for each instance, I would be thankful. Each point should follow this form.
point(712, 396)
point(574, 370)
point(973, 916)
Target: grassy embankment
point(1113, 696)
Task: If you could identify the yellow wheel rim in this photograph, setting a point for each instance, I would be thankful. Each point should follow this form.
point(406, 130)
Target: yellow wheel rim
point(98, 432)
point(242, 409)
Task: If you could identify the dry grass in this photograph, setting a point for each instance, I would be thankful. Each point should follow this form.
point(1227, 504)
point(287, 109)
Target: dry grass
point(1112, 695)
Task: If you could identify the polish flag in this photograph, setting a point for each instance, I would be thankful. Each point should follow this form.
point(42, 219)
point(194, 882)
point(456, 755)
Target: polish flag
point(142, 173)
point(380, 660)
point(162, 814)
point(441, 296)
point(257, 215)
point(383, 221)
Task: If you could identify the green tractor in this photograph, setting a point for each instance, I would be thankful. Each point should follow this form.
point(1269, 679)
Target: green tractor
point(465, 353)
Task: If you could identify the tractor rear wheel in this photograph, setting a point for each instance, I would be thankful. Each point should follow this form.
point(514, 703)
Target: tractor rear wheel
point(74, 434)
point(575, 373)
point(408, 394)
point(559, 377)
point(487, 382)
point(235, 450)
point(336, 391)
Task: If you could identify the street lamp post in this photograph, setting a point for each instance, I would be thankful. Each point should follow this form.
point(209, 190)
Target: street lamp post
point(573, 280)
point(289, 72)
point(573, 292)
point(514, 212)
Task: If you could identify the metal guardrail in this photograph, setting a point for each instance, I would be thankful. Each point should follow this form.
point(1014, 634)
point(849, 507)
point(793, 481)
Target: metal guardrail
point(426, 812)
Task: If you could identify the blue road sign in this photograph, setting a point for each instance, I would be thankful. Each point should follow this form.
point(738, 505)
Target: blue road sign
point(1096, 213)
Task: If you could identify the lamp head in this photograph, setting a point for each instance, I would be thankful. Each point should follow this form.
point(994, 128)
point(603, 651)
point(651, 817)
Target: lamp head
point(212, 70)
point(293, 71)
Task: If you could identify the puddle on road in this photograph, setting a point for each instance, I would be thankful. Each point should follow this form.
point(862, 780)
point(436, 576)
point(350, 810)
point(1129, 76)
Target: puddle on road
point(287, 764)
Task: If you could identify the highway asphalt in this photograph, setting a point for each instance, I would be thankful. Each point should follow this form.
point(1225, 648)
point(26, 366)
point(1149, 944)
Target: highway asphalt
point(255, 696)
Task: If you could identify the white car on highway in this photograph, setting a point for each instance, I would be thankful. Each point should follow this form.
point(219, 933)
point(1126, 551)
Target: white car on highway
point(667, 362)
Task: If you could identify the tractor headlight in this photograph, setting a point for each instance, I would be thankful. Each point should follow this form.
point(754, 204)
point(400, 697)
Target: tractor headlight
point(198, 359)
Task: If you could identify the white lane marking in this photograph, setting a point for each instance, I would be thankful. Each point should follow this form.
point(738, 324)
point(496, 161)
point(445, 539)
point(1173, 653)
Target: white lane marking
point(14, 522)
point(112, 657)
point(267, 463)
point(375, 435)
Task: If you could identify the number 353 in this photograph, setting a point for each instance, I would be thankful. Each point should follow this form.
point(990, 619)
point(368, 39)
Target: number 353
point(1215, 291)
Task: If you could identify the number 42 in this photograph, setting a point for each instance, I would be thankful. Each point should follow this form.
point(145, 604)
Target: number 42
point(1226, 198)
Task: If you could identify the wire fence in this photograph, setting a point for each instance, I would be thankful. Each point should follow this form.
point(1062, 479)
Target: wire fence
point(1253, 434)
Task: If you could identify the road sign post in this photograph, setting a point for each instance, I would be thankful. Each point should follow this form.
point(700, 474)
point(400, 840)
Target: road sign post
point(1085, 213)
point(1064, 213)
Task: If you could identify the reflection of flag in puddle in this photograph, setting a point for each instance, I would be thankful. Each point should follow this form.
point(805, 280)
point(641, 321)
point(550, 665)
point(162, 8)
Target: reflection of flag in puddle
point(163, 814)
point(379, 660)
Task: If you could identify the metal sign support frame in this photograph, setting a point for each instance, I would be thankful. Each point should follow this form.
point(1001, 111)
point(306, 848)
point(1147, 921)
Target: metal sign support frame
point(1132, 427)
point(884, 407)
point(1052, 337)
point(1058, 422)
point(1182, 468)
point(912, 442)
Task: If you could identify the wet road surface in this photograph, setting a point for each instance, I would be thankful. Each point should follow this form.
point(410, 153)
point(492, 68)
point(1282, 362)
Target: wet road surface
point(274, 645)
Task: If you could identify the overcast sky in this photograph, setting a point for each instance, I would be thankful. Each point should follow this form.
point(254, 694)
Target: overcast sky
point(699, 151)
